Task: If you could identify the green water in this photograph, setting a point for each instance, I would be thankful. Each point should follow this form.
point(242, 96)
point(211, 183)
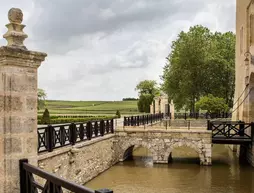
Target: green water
point(184, 175)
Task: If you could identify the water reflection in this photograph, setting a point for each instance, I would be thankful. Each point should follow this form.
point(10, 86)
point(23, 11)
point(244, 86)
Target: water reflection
point(183, 175)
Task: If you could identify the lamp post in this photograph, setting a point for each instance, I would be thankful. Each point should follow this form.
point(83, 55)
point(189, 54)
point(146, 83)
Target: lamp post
point(247, 55)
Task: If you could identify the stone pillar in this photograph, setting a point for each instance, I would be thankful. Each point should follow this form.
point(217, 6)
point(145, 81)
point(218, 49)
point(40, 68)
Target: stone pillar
point(151, 109)
point(172, 110)
point(18, 103)
point(164, 101)
point(156, 104)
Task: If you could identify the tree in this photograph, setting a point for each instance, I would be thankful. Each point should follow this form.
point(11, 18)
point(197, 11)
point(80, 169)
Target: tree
point(144, 103)
point(41, 98)
point(212, 104)
point(45, 117)
point(200, 63)
point(147, 89)
point(118, 114)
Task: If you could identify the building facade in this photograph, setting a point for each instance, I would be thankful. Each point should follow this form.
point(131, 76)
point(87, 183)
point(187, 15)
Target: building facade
point(161, 105)
point(244, 67)
point(243, 108)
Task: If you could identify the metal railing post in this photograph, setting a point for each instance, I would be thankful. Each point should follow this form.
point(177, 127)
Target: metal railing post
point(23, 176)
point(102, 130)
point(112, 126)
point(252, 132)
point(89, 130)
point(49, 138)
point(241, 128)
point(73, 133)
point(208, 125)
point(124, 121)
point(131, 120)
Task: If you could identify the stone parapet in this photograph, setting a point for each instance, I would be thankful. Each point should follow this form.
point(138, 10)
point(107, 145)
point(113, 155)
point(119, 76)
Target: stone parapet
point(161, 142)
point(82, 162)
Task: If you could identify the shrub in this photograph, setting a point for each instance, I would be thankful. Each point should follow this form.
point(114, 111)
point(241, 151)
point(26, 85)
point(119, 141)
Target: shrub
point(212, 104)
point(118, 114)
point(76, 120)
point(45, 117)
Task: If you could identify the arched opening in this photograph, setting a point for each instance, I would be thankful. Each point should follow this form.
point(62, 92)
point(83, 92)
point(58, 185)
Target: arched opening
point(138, 155)
point(184, 154)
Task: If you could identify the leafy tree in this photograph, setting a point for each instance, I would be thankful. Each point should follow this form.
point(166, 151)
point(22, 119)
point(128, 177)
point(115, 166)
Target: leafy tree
point(200, 63)
point(147, 89)
point(45, 117)
point(130, 99)
point(144, 103)
point(118, 114)
point(212, 104)
point(41, 98)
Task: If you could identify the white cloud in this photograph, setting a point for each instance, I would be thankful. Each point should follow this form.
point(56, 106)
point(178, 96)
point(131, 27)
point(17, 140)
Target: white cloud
point(100, 50)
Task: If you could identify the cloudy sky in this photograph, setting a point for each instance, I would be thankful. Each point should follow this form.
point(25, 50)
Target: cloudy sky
point(100, 49)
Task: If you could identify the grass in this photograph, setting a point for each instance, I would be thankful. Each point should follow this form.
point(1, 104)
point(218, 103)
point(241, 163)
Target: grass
point(90, 107)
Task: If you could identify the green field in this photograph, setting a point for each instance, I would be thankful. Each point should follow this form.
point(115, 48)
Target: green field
point(90, 107)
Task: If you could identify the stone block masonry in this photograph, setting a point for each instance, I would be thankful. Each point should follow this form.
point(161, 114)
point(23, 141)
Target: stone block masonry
point(161, 142)
point(18, 103)
point(82, 162)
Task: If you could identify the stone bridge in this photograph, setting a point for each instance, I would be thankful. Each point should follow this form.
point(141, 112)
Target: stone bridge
point(160, 143)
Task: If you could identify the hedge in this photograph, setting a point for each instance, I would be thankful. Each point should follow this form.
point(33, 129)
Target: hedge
point(65, 116)
point(75, 120)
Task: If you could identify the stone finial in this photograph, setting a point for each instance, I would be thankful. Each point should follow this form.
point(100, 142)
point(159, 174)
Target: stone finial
point(15, 15)
point(15, 35)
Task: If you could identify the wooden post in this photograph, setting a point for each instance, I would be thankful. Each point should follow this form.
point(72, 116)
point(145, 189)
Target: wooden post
point(104, 191)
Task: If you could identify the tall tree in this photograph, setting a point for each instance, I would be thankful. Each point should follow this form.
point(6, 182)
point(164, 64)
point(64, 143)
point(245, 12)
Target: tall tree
point(147, 89)
point(200, 63)
point(41, 98)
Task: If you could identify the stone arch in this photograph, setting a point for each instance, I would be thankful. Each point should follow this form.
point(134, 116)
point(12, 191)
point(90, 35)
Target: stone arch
point(193, 145)
point(129, 144)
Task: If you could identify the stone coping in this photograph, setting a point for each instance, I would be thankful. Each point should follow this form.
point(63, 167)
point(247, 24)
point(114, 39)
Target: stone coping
point(137, 130)
point(62, 150)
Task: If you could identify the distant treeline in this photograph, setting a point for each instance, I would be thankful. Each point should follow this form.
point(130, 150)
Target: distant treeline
point(130, 99)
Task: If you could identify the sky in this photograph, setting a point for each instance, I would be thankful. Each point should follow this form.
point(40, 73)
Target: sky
point(101, 49)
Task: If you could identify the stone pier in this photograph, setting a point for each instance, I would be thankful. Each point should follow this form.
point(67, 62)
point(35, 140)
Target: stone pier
point(18, 103)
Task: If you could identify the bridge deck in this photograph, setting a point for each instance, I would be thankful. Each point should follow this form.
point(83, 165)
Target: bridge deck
point(221, 139)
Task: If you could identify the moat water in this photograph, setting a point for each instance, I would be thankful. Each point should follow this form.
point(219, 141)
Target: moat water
point(183, 175)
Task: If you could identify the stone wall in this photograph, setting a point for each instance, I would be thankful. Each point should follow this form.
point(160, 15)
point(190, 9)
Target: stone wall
point(244, 77)
point(160, 143)
point(82, 162)
point(185, 123)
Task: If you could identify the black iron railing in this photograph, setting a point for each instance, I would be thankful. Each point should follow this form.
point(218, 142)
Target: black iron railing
point(52, 137)
point(231, 130)
point(201, 115)
point(142, 119)
point(53, 183)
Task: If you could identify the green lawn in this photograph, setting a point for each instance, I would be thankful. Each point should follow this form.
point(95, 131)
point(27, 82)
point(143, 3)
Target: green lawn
point(91, 107)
